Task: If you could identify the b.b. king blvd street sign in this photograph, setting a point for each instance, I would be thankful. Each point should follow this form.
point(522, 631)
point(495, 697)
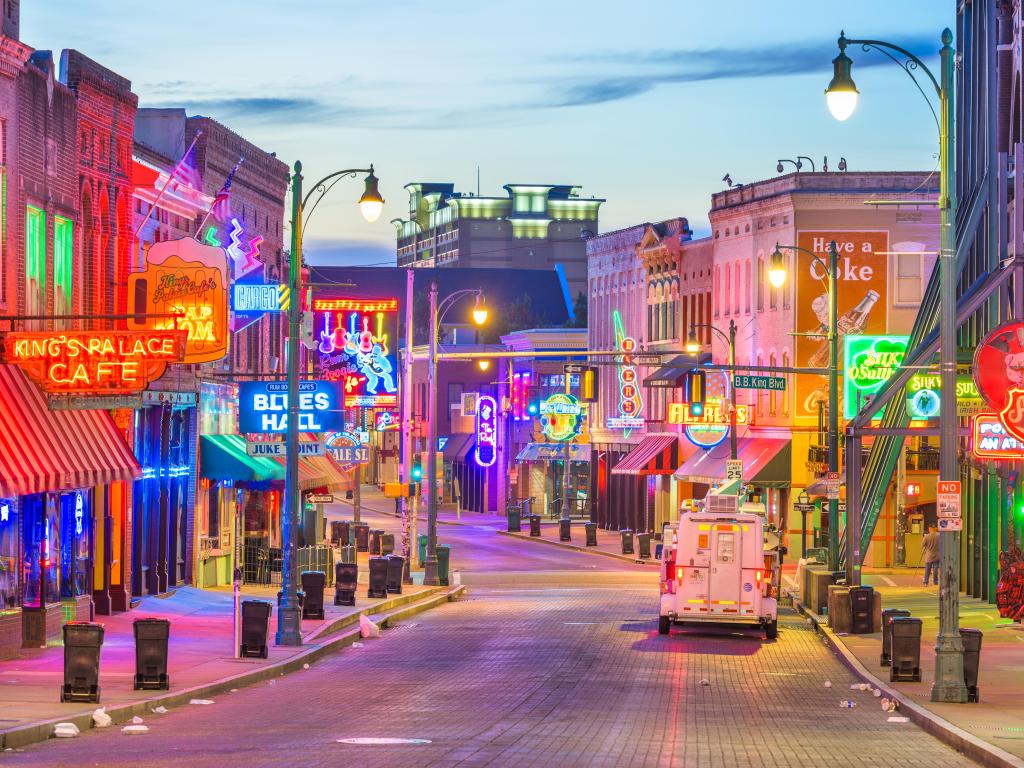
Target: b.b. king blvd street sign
point(744, 381)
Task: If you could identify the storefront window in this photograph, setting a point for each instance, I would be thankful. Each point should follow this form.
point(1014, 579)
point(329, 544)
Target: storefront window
point(8, 554)
point(40, 545)
point(76, 536)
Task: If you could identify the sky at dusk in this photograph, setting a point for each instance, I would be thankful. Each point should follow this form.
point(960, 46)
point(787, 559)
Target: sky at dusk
point(646, 104)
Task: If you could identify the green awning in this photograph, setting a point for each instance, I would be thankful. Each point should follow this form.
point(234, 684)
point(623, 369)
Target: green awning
point(223, 457)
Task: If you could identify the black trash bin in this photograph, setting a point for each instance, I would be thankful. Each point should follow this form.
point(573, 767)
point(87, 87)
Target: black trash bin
point(348, 554)
point(972, 659)
point(255, 621)
point(313, 584)
point(887, 616)
point(535, 525)
point(299, 594)
point(627, 541)
point(378, 586)
point(387, 543)
point(565, 530)
point(336, 533)
point(346, 577)
point(444, 556)
point(362, 536)
point(862, 601)
point(375, 541)
point(905, 647)
point(644, 541)
point(514, 515)
point(151, 637)
point(396, 566)
point(82, 643)
point(346, 537)
point(591, 530)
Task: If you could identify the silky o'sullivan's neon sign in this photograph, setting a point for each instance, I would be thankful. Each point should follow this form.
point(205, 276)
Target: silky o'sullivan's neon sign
point(869, 362)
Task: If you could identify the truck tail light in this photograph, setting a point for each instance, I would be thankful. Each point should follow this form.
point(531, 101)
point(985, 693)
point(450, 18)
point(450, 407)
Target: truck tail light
point(758, 577)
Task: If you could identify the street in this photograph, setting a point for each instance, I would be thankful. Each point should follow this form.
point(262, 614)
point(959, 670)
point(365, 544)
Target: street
point(552, 659)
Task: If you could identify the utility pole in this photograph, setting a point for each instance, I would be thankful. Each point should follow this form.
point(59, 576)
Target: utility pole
point(430, 575)
point(733, 440)
point(833, 422)
point(408, 514)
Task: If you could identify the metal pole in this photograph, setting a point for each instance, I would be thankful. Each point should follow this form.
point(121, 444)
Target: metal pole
point(833, 405)
point(288, 618)
point(732, 390)
point(408, 516)
point(853, 454)
point(949, 659)
point(566, 514)
point(430, 565)
point(900, 557)
point(357, 499)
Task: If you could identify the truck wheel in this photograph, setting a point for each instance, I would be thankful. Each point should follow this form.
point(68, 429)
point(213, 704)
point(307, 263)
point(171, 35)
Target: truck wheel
point(771, 629)
point(664, 623)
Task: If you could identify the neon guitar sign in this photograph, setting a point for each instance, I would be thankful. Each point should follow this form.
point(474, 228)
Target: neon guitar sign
point(356, 347)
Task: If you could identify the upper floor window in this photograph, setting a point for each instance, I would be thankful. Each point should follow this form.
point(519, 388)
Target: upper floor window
point(63, 265)
point(35, 261)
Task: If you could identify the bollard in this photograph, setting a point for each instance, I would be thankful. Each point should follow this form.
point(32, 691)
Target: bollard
point(591, 531)
point(236, 619)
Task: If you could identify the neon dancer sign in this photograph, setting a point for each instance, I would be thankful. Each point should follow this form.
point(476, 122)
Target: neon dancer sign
point(356, 347)
point(486, 431)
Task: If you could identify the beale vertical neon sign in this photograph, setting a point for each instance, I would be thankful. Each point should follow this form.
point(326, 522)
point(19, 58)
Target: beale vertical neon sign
point(631, 405)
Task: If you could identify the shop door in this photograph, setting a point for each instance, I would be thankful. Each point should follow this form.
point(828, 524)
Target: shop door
point(724, 586)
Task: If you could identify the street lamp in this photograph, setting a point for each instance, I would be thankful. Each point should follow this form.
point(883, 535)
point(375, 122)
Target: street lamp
point(437, 313)
point(842, 100)
point(803, 501)
point(289, 615)
point(483, 365)
point(777, 272)
point(693, 348)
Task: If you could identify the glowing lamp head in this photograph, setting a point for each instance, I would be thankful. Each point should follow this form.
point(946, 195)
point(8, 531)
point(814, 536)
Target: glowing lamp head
point(692, 345)
point(480, 312)
point(841, 94)
point(371, 204)
point(777, 269)
point(483, 365)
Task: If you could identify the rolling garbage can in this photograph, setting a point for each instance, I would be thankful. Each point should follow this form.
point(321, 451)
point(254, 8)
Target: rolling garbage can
point(535, 525)
point(905, 649)
point(378, 586)
point(514, 515)
point(346, 576)
point(255, 621)
point(422, 547)
point(627, 541)
point(396, 565)
point(565, 530)
point(346, 533)
point(861, 610)
point(82, 643)
point(361, 532)
point(348, 553)
point(387, 543)
point(151, 637)
point(972, 658)
point(375, 541)
point(313, 584)
point(591, 531)
point(336, 533)
point(444, 555)
point(644, 540)
point(887, 616)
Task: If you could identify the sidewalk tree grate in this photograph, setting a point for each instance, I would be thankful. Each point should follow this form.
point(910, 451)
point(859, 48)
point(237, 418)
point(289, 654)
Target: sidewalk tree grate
point(381, 741)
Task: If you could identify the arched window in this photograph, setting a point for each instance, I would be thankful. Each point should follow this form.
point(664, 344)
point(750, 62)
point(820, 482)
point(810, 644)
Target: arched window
point(760, 392)
point(760, 282)
point(717, 292)
point(737, 288)
point(746, 286)
point(728, 289)
point(772, 396)
point(785, 395)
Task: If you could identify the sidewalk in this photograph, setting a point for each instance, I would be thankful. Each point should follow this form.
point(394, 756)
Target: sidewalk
point(201, 659)
point(998, 720)
point(609, 543)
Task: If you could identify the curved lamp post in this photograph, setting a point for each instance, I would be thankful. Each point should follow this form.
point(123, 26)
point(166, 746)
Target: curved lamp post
point(371, 204)
point(437, 313)
point(841, 96)
point(777, 277)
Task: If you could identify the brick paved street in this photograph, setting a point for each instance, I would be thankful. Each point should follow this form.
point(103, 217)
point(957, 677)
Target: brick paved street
point(552, 659)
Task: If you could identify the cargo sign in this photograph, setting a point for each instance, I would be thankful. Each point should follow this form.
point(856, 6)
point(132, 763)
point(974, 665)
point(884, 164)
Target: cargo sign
point(743, 381)
point(263, 406)
point(263, 448)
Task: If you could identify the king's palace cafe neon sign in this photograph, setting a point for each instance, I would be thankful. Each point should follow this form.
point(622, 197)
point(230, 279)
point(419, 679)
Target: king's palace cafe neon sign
point(94, 362)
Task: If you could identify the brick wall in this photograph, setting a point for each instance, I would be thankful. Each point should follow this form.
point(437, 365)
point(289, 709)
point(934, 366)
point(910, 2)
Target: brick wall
point(10, 634)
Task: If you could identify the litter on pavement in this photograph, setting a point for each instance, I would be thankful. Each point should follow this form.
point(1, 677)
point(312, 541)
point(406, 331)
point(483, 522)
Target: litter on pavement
point(101, 719)
point(367, 628)
point(135, 730)
point(201, 701)
point(65, 730)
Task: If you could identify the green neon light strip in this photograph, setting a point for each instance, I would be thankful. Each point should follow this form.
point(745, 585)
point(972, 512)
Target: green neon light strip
point(63, 263)
point(35, 256)
point(210, 238)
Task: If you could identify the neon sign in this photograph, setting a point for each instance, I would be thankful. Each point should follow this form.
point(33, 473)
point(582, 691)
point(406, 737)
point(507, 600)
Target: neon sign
point(188, 278)
point(631, 405)
point(263, 406)
point(79, 513)
point(256, 298)
point(5, 511)
point(356, 346)
point(990, 439)
point(561, 417)
point(486, 430)
point(870, 361)
point(924, 396)
point(706, 434)
point(94, 362)
point(347, 449)
point(715, 413)
point(386, 421)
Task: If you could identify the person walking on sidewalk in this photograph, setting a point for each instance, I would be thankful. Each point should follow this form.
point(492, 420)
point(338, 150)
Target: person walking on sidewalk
point(930, 553)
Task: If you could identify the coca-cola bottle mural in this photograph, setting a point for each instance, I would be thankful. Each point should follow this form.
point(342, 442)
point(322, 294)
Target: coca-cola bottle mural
point(850, 323)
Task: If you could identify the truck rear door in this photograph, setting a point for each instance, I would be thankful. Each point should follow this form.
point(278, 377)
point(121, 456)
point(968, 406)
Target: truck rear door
point(726, 568)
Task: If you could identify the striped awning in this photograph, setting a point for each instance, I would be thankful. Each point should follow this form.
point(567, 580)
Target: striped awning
point(654, 455)
point(554, 452)
point(43, 450)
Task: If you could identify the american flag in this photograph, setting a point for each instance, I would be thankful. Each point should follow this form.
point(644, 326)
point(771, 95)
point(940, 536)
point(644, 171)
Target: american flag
point(186, 173)
point(221, 208)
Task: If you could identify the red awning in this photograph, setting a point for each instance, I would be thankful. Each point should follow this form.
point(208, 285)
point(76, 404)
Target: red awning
point(43, 450)
point(654, 455)
point(766, 463)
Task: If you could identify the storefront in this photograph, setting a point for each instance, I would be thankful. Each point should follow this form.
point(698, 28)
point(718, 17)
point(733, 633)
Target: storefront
point(61, 475)
point(645, 474)
point(542, 477)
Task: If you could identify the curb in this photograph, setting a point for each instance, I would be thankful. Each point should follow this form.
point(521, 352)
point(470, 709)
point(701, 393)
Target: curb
point(949, 734)
point(577, 548)
point(386, 615)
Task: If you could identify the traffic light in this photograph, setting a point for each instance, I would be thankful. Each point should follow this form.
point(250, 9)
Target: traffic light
point(416, 472)
point(694, 389)
point(588, 385)
point(532, 402)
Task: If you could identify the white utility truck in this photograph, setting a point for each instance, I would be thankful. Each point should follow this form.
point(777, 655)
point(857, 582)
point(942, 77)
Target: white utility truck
point(718, 567)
